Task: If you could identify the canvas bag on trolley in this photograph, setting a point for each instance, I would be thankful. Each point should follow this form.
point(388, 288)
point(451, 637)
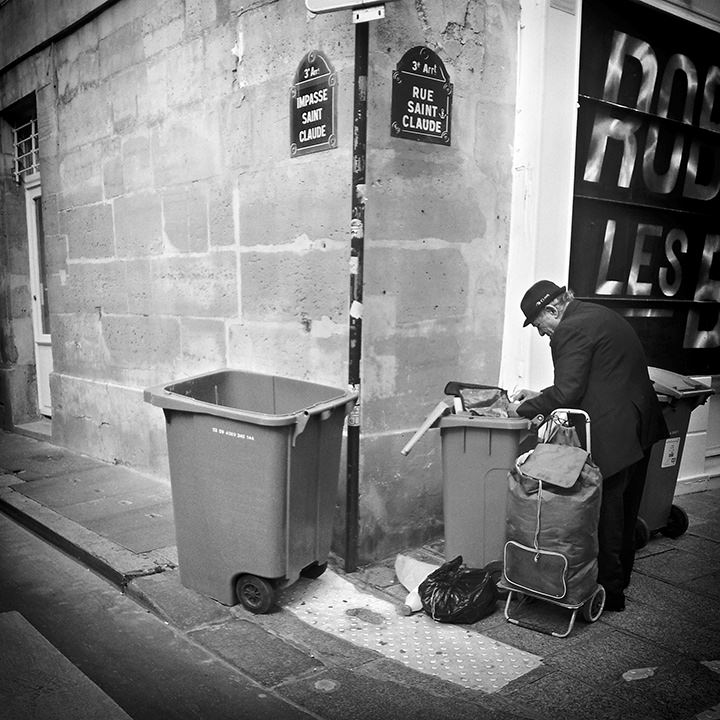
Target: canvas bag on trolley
point(554, 494)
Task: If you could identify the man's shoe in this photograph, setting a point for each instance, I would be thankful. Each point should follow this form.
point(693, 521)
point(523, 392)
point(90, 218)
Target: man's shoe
point(614, 602)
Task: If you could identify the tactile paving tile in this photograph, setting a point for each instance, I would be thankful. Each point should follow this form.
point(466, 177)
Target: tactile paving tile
point(451, 652)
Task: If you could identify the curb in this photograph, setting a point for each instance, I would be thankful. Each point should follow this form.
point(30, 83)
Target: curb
point(110, 560)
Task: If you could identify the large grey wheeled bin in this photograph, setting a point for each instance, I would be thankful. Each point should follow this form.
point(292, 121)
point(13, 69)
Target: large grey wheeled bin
point(679, 395)
point(254, 464)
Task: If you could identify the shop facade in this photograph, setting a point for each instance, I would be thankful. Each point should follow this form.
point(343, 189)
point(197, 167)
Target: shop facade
point(177, 194)
point(618, 184)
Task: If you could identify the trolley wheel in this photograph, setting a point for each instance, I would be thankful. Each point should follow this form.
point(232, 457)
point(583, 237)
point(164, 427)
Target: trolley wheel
point(677, 523)
point(593, 608)
point(314, 570)
point(495, 570)
point(642, 533)
point(255, 593)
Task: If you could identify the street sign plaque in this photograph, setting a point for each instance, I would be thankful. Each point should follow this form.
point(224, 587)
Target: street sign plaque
point(312, 106)
point(323, 6)
point(421, 98)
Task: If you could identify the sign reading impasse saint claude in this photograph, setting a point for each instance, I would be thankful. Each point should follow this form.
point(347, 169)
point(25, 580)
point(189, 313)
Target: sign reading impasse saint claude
point(421, 98)
point(312, 106)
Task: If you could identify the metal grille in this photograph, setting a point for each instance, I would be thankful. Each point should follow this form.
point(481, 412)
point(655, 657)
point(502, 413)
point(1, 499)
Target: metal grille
point(25, 147)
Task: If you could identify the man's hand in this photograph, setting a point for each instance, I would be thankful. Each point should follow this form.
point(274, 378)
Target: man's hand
point(512, 409)
point(518, 398)
point(522, 395)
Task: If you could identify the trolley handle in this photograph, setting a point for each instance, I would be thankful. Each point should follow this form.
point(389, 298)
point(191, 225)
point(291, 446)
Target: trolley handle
point(573, 411)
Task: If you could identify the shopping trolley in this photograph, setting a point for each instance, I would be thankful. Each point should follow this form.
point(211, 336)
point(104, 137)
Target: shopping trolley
point(550, 553)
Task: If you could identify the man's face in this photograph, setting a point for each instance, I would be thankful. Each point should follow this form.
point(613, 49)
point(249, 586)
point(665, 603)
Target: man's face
point(546, 322)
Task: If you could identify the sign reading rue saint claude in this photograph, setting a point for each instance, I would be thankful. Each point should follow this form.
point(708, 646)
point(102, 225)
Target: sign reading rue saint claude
point(421, 98)
point(312, 106)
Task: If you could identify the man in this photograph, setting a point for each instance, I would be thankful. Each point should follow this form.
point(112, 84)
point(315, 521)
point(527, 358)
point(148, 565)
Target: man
point(600, 367)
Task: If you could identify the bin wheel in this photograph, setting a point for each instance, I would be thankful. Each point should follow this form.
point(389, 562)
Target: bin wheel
point(593, 608)
point(642, 533)
point(677, 523)
point(495, 570)
point(313, 570)
point(255, 593)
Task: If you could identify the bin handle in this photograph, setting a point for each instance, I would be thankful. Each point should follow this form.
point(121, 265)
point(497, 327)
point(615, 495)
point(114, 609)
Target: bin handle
point(301, 420)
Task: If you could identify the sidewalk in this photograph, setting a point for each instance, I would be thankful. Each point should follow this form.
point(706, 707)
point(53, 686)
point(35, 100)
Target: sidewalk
point(336, 645)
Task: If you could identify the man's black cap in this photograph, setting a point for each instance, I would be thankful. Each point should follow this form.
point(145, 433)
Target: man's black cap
point(537, 297)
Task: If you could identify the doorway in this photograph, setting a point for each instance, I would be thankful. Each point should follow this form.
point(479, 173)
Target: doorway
point(39, 292)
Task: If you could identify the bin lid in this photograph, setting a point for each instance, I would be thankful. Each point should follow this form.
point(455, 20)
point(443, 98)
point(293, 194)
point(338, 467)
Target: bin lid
point(466, 419)
point(677, 386)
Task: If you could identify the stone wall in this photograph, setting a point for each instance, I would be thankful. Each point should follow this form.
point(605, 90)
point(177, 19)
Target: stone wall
point(183, 237)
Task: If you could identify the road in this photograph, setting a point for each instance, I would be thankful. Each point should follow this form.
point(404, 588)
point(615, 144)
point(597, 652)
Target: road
point(146, 667)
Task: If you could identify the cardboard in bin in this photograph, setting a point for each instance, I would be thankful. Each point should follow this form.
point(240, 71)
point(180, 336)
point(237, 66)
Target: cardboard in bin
point(254, 468)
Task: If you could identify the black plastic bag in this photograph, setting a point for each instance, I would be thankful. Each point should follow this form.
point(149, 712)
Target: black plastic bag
point(456, 594)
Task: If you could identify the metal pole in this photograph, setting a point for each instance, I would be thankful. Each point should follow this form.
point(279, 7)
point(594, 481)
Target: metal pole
point(357, 238)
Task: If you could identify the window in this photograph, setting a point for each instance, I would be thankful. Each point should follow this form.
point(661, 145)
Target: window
point(25, 149)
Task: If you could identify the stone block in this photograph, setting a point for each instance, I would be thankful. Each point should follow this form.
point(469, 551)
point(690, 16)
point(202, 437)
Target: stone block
point(50, 171)
point(18, 394)
point(24, 341)
point(136, 165)
point(51, 226)
point(84, 40)
point(386, 496)
point(269, 213)
point(197, 286)
point(203, 344)
point(429, 282)
point(152, 104)
point(221, 223)
point(200, 15)
point(118, 16)
point(6, 378)
point(85, 117)
point(185, 221)
point(186, 148)
point(186, 82)
point(80, 177)
point(283, 286)
point(125, 87)
point(121, 49)
point(89, 231)
point(218, 60)
point(103, 417)
point(112, 177)
point(434, 188)
point(138, 287)
point(78, 64)
point(161, 14)
point(141, 342)
point(289, 350)
point(78, 346)
point(160, 38)
point(138, 230)
point(20, 300)
point(46, 101)
point(97, 287)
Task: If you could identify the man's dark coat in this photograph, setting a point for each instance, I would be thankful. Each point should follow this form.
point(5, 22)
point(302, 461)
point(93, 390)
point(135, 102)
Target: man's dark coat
point(600, 367)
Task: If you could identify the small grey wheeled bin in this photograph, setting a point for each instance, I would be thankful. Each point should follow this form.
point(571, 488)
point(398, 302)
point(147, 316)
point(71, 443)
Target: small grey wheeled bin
point(254, 463)
point(679, 395)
